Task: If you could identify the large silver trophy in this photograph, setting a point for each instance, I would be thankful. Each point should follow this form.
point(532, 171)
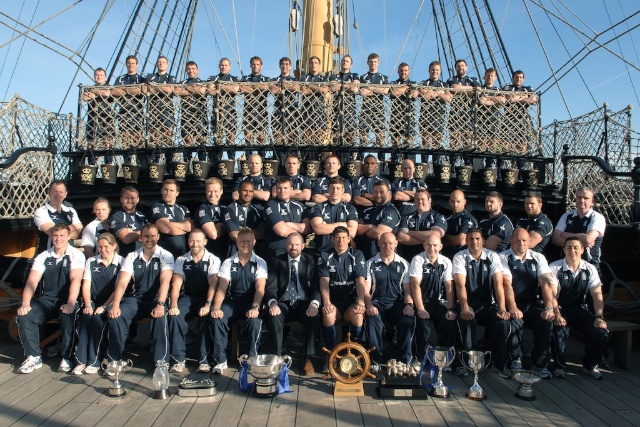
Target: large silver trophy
point(265, 368)
point(440, 357)
point(525, 380)
point(476, 362)
point(116, 367)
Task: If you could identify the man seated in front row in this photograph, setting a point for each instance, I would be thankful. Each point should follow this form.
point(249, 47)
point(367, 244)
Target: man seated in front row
point(61, 267)
point(293, 294)
point(433, 295)
point(242, 281)
point(150, 268)
point(194, 281)
point(477, 273)
point(388, 298)
point(341, 274)
point(527, 278)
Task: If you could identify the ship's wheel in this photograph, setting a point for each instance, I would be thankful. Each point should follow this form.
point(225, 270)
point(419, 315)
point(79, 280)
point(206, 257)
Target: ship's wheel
point(349, 363)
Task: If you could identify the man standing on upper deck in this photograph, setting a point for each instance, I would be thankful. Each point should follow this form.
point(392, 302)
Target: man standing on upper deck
point(131, 113)
point(372, 116)
point(285, 119)
point(402, 119)
point(160, 103)
point(345, 84)
point(517, 122)
point(223, 87)
point(433, 107)
point(460, 114)
point(193, 107)
point(256, 114)
point(314, 117)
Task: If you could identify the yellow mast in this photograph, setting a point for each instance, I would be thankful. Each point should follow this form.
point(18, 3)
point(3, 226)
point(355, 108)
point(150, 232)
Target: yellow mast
point(317, 34)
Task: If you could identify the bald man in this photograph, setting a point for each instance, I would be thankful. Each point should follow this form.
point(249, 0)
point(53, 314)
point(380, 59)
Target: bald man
point(261, 184)
point(458, 224)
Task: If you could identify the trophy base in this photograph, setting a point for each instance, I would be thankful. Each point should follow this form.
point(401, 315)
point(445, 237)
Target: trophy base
point(474, 395)
point(440, 391)
point(395, 391)
point(265, 388)
point(116, 392)
point(161, 394)
point(528, 396)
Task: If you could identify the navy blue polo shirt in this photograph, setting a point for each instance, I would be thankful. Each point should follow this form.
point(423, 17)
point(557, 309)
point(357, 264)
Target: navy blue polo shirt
point(133, 221)
point(260, 182)
point(330, 214)
point(478, 273)
point(242, 278)
point(401, 184)
point(174, 213)
point(499, 226)
point(342, 271)
point(421, 222)
point(364, 184)
point(344, 77)
point(432, 276)
point(55, 271)
point(298, 182)
point(196, 274)
point(387, 281)
point(592, 220)
point(146, 275)
point(541, 224)
point(457, 224)
point(207, 213)
point(276, 211)
point(386, 214)
point(464, 81)
point(574, 287)
point(321, 186)
point(524, 274)
point(237, 215)
point(102, 277)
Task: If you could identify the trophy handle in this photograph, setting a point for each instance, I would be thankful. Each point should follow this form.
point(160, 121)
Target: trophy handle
point(128, 365)
point(287, 360)
point(452, 352)
point(462, 354)
point(243, 359)
point(104, 365)
point(430, 352)
point(488, 363)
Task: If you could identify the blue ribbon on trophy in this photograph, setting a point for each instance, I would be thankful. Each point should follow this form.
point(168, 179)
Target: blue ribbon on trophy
point(244, 384)
point(283, 379)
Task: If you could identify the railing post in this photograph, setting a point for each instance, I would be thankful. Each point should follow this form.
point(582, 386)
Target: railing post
point(605, 135)
point(635, 210)
point(555, 150)
point(565, 178)
point(539, 132)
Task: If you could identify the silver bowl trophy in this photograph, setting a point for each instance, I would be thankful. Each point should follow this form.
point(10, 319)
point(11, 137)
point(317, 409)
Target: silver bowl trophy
point(440, 357)
point(475, 363)
point(116, 367)
point(265, 368)
point(525, 380)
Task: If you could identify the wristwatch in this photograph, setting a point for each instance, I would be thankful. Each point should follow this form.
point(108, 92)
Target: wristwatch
point(255, 307)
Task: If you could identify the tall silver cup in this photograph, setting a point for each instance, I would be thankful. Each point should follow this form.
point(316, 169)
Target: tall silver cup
point(476, 362)
point(440, 357)
point(116, 367)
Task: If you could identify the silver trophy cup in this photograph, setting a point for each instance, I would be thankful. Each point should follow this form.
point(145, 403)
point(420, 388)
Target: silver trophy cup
point(525, 380)
point(440, 357)
point(476, 362)
point(116, 367)
point(265, 368)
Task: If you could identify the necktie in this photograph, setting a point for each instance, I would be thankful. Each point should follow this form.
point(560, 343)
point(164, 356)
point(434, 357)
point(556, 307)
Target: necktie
point(293, 284)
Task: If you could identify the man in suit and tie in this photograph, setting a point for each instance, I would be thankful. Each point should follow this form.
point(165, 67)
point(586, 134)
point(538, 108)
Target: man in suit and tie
point(293, 294)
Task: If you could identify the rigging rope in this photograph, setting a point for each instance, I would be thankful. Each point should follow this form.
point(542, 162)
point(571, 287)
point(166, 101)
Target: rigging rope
point(407, 37)
point(415, 55)
point(253, 32)
point(233, 52)
point(6, 54)
point(544, 50)
point(355, 26)
point(235, 28)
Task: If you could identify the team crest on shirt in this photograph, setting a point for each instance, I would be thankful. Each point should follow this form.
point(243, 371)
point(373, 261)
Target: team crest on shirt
point(139, 266)
point(64, 262)
point(156, 210)
point(366, 216)
point(412, 223)
point(201, 213)
point(155, 266)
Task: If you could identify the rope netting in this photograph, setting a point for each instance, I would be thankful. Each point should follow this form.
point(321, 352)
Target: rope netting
point(24, 185)
point(245, 114)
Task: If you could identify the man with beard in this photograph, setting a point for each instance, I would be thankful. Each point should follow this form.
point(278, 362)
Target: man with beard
point(376, 220)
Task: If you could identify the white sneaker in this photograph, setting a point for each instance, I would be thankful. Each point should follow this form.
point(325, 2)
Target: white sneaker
point(79, 369)
point(91, 370)
point(177, 367)
point(65, 365)
point(219, 368)
point(30, 364)
point(204, 367)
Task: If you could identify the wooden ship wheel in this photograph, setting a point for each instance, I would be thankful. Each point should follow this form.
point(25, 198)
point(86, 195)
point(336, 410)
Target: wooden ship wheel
point(349, 363)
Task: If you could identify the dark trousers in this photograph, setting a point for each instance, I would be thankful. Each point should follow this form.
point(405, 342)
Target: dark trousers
point(499, 330)
point(178, 328)
point(446, 329)
point(405, 325)
point(131, 310)
point(42, 310)
point(595, 339)
point(234, 310)
point(542, 330)
point(275, 326)
point(92, 333)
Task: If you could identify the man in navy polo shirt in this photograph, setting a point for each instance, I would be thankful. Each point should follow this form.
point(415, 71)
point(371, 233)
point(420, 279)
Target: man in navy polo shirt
point(243, 213)
point(160, 103)
point(132, 103)
point(256, 114)
point(320, 189)
point(61, 269)
point(194, 281)
point(210, 218)
point(372, 116)
point(376, 220)
point(460, 114)
point(584, 223)
point(415, 228)
point(301, 185)
point(526, 277)
point(434, 296)
point(517, 123)
point(284, 216)
point(327, 216)
point(433, 107)
point(173, 220)
point(497, 229)
point(341, 276)
point(458, 224)
point(223, 87)
point(193, 106)
point(241, 286)
point(362, 187)
point(261, 184)
point(536, 223)
point(388, 298)
point(404, 189)
point(314, 117)
point(402, 120)
point(150, 269)
point(126, 224)
point(285, 119)
point(477, 273)
point(56, 212)
point(345, 84)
